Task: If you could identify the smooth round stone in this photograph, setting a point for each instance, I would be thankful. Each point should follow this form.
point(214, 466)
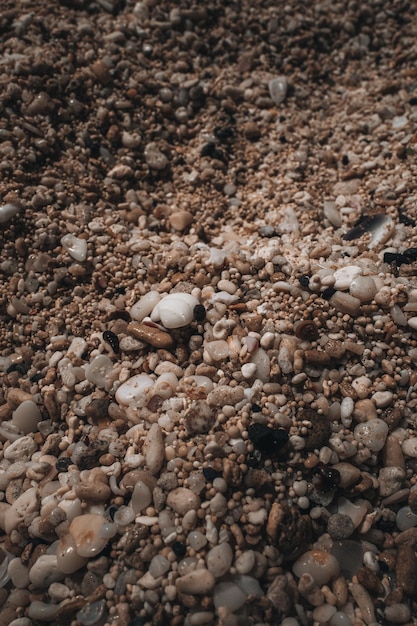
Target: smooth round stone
point(180, 220)
point(86, 533)
point(68, 560)
point(344, 276)
point(372, 434)
point(228, 594)
point(196, 540)
point(176, 310)
point(412, 322)
point(141, 497)
point(382, 399)
point(200, 582)
point(322, 614)
point(97, 371)
point(245, 562)
point(45, 571)
point(182, 500)
point(76, 247)
point(409, 447)
point(340, 619)
point(144, 307)
point(349, 555)
point(219, 559)
point(363, 288)
point(7, 212)
point(321, 565)
point(18, 573)
point(130, 392)
point(406, 518)
point(159, 566)
point(42, 611)
point(26, 417)
point(277, 88)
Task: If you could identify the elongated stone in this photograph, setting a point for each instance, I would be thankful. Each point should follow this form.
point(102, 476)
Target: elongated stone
point(150, 334)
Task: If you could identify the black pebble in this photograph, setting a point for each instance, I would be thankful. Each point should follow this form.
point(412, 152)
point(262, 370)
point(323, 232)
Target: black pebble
point(21, 368)
point(256, 408)
point(199, 313)
point(328, 293)
point(210, 474)
point(223, 133)
point(179, 549)
point(63, 464)
point(113, 340)
point(267, 440)
point(304, 281)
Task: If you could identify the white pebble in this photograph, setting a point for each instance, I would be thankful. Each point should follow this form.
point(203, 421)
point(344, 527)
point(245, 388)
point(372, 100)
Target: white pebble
point(175, 310)
point(21, 449)
point(346, 407)
point(278, 89)
point(321, 565)
point(248, 370)
point(45, 571)
point(98, 370)
point(363, 288)
point(144, 306)
point(344, 276)
point(412, 322)
point(26, 417)
point(372, 434)
point(76, 247)
point(7, 212)
point(130, 392)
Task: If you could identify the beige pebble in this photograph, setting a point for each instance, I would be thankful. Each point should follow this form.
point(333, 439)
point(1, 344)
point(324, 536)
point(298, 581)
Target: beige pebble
point(16, 396)
point(93, 492)
point(200, 581)
point(154, 449)
point(180, 220)
point(182, 500)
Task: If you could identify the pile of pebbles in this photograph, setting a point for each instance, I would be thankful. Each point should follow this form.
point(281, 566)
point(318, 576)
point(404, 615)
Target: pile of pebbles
point(208, 339)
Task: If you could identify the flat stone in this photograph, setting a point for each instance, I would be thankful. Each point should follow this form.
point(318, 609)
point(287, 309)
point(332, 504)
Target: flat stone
point(150, 334)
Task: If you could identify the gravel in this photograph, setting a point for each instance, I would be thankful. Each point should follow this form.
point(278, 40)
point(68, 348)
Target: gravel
point(208, 332)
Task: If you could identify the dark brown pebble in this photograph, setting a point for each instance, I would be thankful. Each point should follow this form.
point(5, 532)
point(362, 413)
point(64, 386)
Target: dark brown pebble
point(406, 569)
point(370, 581)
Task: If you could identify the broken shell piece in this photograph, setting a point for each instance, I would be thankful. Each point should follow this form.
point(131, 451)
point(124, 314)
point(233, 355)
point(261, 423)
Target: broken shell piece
point(379, 226)
point(175, 310)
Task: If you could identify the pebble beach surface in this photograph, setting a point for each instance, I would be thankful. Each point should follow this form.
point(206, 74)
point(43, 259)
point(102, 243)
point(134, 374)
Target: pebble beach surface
point(208, 333)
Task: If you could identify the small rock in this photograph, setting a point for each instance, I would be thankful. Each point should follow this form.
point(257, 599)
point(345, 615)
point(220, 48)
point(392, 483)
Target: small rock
point(199, 417)
point(340, 526)
point(372, 434)
point(251, 131)
point(155, 158)
point(154, 449)
point(182, 500)
point(180, 220)
point(150, 334)
point(45, 571)
point(200, 582)
point(93, 492)
point(26, 417)
point(75, 246)
point(86, 531)
point(321, 565)
point(278, 89)
point(219, 559)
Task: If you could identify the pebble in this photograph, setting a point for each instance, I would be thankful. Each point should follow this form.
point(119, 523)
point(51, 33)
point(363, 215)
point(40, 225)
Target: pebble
point(76, 247)
point(151, 334)
point(382, 399)
point(176, 310)
point(19, 573)
point(180, 220)
point(68, 560)
point(87, 532)
point(154, 449)
point(340, 526)
point(344, 276)
point(228, 594)
point(26, 417)
point(391, 480)
point(245, 562)
point(372, 434)
point(182, 500)
point(199, 417)
point(200, 582)
point(144, 306)
point(219, 559)
point(98, 370)
point(25, 505)
point(21, 449)
point(363, 288)
point(7, 212)
point(45, 571)
point(132, 391)
point(156, 159)
point(278, 89)
point(225, 394)
point(321, 565)
point(405, 518)
point(409, 447)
